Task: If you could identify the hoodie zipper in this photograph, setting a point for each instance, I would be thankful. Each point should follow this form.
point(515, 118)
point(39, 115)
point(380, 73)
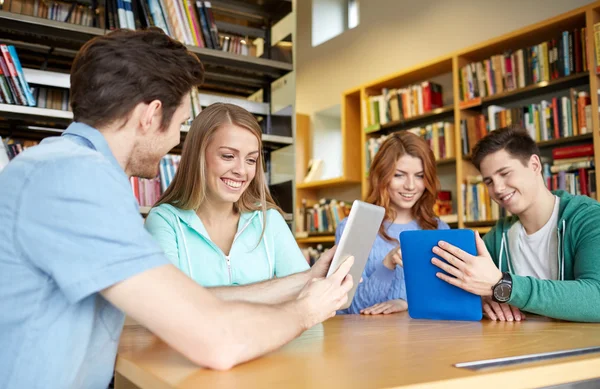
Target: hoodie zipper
point(227, 257)
point(228, 260)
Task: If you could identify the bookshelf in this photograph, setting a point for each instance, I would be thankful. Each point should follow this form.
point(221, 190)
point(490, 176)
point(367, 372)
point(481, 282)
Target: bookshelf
point(47, 48)
point(447, 71)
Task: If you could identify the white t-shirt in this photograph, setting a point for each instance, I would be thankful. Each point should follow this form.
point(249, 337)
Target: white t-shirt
point(535, 255)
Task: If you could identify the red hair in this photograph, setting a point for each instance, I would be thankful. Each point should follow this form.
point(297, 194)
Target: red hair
point(382, 171)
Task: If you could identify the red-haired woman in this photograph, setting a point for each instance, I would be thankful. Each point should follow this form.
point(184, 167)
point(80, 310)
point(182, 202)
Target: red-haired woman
point(403, 180)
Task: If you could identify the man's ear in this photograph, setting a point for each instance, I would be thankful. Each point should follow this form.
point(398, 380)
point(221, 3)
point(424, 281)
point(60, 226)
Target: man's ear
point(150, 116)
point(535, 163)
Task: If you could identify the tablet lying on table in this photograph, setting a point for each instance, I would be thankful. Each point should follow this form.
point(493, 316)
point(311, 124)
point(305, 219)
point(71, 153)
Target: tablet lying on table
point(429, 297)
point(356, 240)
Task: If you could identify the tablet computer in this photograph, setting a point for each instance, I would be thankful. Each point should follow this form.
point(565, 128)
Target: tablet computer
point(429, 297)
point(357, 240)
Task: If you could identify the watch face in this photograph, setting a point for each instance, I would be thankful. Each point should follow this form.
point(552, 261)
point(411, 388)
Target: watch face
point(502, 292)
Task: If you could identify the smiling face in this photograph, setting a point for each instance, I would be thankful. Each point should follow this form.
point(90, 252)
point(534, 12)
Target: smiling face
point(231, 162)
point(407, 184)
point(512, 184)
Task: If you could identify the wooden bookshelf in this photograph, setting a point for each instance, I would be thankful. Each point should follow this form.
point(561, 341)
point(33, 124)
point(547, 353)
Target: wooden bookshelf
point(316, 239)
point(244, 80)
point(452, 63)
point(438, 114)
point(225, 72)
point(329, 183)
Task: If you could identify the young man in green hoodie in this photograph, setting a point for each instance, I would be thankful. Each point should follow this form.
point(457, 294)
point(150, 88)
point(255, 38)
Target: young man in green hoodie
point(544, 258)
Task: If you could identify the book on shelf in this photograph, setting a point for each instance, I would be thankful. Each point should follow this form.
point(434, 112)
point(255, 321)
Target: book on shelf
point(561, 56)
point(10, 148)
point(14, 89)
point(556, 118)
point(478, 204)
point(322, 217)
point(400, 104)
point(78, 13)
point(439, 136)
point(443, 204)
point(148, 191)
point(572, 170)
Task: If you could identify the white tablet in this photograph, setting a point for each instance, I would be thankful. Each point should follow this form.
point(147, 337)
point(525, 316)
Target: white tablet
point(357, 240)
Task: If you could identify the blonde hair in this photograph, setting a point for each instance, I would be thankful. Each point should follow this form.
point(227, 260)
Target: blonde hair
point(188, 190)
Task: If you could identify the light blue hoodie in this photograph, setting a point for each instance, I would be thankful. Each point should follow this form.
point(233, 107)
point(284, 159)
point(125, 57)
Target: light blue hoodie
point(251, 259)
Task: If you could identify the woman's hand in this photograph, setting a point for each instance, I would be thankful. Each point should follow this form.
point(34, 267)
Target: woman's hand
point(391, 306)
point(393, 258)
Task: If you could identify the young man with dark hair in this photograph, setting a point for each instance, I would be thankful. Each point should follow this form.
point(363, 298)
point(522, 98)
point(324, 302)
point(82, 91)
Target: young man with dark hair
point(544, 258)
point(74, 254)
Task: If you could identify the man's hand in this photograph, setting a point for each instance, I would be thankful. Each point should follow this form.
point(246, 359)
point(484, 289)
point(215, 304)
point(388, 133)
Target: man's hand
point(501, 312)
point(321, 298)
point(385, 308)
point(320, 268)
point(475, 274)
point(393, 258)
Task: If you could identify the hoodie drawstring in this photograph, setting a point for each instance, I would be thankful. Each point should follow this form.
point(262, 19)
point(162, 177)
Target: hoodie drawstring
point(187, 254)
point(266, 247)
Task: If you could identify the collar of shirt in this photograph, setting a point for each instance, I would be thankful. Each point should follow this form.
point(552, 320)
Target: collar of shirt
point(92, 138)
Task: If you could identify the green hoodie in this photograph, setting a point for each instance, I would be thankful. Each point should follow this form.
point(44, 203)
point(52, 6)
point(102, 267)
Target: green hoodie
point(576, 295)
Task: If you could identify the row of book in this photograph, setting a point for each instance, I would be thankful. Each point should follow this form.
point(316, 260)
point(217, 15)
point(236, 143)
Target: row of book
point(68, 12)
point(148, 191)
point(321, 218)
point(51, 98)
point(478, 204)
point(439, 136)
point(14, 89)
point(10, 148)
point(558, 57)
point(572, 170)
point(560, 117)
point(189, 21)
point(395, 105)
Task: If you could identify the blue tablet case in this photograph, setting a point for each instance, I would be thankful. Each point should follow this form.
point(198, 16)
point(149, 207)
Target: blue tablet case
point(429, 297)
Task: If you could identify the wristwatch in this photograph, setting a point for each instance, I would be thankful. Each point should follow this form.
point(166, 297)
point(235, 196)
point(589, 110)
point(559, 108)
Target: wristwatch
point(502, 290)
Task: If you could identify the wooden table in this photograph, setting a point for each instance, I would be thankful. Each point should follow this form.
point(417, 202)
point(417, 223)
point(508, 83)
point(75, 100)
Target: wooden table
point(379, 352)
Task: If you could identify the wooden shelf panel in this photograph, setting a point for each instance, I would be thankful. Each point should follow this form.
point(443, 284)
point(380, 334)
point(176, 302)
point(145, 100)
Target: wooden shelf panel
point(528, 91)
point(316, 239)
point(321, 184)
point(556, 142)
point(565, 141)
point(435, 115)
point(483, 223)
point(446, 161)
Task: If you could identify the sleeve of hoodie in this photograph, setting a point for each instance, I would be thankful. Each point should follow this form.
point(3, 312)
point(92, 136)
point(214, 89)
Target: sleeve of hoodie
point(375, 286)
point(573, 300)
point(288, 256)
point(163, 232)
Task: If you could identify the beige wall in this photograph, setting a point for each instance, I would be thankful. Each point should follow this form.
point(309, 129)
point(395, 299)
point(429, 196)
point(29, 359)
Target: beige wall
point(396, 34)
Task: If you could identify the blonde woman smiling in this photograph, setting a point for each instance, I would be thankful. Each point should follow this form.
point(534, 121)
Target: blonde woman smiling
point(217, 221)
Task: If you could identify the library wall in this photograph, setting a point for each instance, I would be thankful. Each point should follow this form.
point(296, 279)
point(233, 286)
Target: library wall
point(394, 35)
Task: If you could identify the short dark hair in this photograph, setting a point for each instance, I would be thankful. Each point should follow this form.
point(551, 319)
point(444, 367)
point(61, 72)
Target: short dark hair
point(111, 74)
point(514, 139)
